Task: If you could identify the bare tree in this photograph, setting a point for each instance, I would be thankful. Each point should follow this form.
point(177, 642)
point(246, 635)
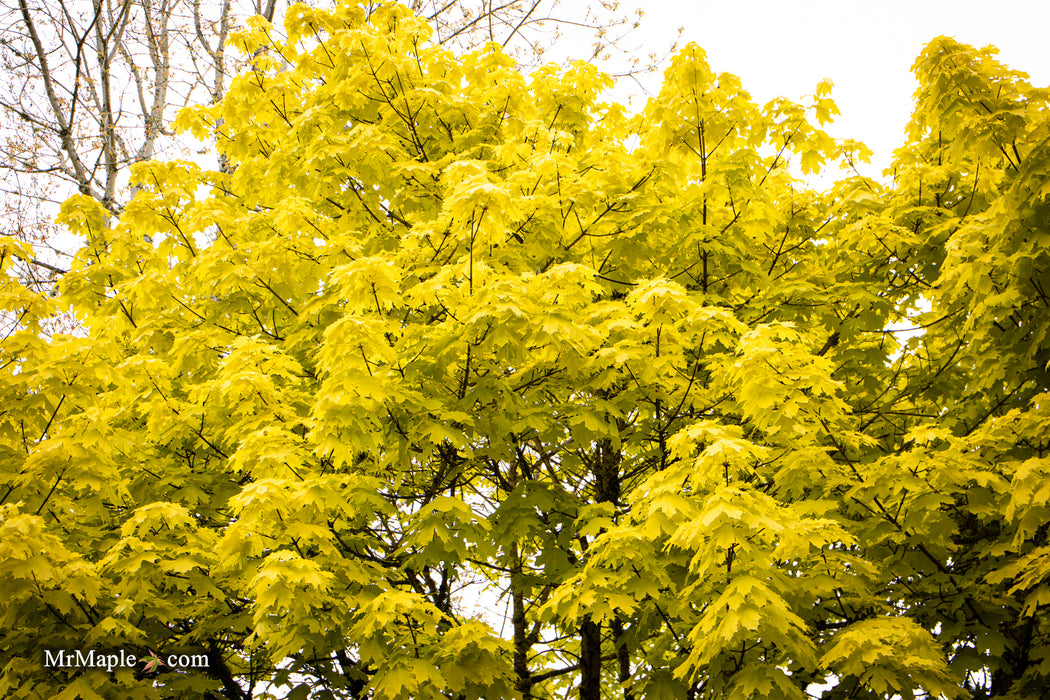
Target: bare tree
point(529, 28)
point(89, 88)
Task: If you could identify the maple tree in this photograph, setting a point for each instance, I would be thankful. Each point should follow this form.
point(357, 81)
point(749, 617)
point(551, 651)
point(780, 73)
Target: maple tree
point(89, 88)
point(443, 325)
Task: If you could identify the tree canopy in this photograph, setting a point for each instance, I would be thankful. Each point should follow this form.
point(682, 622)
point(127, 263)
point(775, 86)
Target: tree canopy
point(88, 88)
point(442, 326)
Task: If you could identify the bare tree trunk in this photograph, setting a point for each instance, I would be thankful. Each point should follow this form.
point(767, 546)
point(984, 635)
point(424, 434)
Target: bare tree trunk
point(108, 132)
point(57, 119)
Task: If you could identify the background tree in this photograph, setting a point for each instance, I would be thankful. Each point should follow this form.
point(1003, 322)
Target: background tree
point(441, 324)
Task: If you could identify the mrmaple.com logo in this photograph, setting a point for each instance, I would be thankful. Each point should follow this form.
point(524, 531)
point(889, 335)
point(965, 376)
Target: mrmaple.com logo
point(109, 660)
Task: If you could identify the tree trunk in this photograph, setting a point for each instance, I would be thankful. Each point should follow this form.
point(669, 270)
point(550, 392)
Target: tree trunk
point(606, 490)
point(623, 657)
point(522, 644)
point(590, 660)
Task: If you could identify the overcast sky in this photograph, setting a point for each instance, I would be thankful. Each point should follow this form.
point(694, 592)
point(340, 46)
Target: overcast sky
point(866, 48)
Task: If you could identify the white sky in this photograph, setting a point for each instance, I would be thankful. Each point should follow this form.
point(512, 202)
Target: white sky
point(865, 47)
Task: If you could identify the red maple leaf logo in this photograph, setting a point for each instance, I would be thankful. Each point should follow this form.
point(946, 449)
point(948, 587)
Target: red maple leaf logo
point(153, 663)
